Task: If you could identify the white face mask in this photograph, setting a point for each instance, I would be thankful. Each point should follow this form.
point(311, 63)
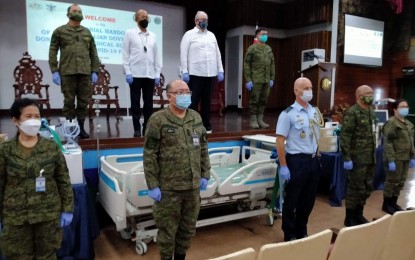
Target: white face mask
point(30, 127)
point(307, 95)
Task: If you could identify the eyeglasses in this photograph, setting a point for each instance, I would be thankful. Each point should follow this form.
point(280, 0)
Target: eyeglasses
point(181, 92)
point(202, 20)
point(404, 107)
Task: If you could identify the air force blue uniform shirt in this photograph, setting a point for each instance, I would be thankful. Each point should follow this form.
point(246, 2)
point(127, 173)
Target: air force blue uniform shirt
point(300, 128)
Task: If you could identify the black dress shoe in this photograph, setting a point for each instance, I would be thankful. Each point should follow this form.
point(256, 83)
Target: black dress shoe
point(137, 134)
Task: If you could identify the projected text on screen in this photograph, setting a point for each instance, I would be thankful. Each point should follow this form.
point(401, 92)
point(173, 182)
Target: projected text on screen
point(108, 27)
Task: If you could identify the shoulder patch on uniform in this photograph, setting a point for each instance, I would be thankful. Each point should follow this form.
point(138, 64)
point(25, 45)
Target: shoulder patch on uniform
point(288, 109)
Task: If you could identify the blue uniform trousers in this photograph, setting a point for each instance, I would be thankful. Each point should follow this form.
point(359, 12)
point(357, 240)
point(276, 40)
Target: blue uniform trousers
point(299, 194)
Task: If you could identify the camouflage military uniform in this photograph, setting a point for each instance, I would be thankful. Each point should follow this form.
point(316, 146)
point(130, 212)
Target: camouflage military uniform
point(78, 59)
point(31, 219)
point(357, 142)
point(259, 67)
point(399, 148)
point(175, 158)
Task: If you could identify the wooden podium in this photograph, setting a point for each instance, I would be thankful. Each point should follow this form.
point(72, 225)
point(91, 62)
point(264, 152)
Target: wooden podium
point(320, 76)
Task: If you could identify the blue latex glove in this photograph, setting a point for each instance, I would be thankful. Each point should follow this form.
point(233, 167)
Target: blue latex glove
point(155, 194)
point(66, 218)
point(56, 78)
point(129, 79)
point(94, 78)
point(220, 76)
point(186, 77)
point(348, 165)
point(285, 173)
point(249, 85)
point(203, 183)
point(271, 83)
point(156, 82)
point(412, 163)
point(392, 166)
point(274, 154)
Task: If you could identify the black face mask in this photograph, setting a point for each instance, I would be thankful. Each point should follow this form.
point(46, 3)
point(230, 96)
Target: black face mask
point(143, 23)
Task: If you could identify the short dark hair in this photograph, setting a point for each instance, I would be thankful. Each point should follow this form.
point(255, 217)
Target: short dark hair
point(397, 102)
point(19, 104)
point(260, 29)
point(69, 8)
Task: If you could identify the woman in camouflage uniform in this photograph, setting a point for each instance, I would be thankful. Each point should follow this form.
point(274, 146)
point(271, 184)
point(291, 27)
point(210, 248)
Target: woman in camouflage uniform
point(36, 198)
point(398, 134)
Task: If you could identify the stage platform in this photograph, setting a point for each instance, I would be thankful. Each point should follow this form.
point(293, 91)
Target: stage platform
point(112, 134)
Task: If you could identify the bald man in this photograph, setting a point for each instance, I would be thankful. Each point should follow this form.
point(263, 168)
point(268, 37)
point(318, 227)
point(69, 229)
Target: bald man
point(176, 168)
point(142, 67)
point(299, 167)
point(358, 144)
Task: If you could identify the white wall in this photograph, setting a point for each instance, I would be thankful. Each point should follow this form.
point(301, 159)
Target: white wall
point(14, 43)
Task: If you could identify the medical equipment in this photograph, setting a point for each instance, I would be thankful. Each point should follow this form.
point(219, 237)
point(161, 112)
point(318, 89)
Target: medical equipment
point(244, 182)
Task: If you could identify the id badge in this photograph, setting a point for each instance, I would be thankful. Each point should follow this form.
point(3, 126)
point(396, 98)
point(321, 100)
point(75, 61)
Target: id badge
point(40, 184)
point(196, 140)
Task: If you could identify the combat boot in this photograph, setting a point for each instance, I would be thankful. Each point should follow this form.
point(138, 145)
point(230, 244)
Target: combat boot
point(253, 123)
point(395, 205)
point(360, 219)
point(179, 256)
point(388, 205)
point(82, 133)
point(261, 122)
point(350, 219)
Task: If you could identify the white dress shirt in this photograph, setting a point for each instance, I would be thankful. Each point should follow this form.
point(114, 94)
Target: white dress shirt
point(137, 61)
point(199, 54)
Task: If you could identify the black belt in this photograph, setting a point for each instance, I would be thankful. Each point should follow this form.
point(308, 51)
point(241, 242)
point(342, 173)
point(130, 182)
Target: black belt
point(302, 155)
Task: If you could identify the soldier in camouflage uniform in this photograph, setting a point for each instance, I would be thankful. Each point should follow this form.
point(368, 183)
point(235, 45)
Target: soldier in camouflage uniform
point(78, 65)
point(32, 209)
point(176, 167)
point(358, 143)
point(399, 153)
point(259, 71)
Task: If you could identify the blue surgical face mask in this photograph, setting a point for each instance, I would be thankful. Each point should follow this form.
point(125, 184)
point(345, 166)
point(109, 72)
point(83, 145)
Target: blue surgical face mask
point(263, 38)
point(403, 111)
point(183, 101)
point(307, 95)
point(203, 25)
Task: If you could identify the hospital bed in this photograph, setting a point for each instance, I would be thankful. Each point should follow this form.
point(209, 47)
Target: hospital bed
point(242, 177)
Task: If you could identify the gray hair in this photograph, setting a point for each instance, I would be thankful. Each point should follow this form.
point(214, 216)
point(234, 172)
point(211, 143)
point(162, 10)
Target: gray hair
point(199, 13)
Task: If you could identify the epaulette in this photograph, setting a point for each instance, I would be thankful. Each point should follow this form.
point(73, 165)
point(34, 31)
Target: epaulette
point(288, 109)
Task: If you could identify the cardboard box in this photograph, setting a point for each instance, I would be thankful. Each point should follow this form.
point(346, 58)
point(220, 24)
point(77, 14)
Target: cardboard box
point(328, 148)
point(74, 163)
point(329, 131)
point(328, 140)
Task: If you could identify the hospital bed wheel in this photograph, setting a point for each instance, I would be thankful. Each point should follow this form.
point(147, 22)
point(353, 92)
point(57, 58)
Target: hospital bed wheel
point(270, 220)
point(141, 248)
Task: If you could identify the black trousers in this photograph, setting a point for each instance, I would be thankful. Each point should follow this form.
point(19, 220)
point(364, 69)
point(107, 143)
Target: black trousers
point(299, 194)
point(201, 88)
point(147, 86)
